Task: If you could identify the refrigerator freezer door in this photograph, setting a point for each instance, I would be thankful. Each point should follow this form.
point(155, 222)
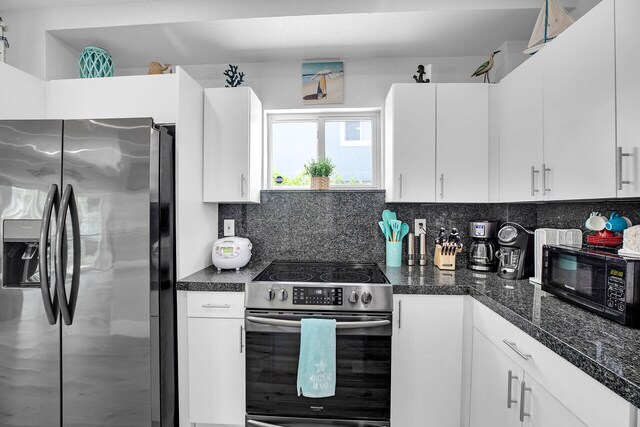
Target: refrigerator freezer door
point(106, 351)
point(30, 162)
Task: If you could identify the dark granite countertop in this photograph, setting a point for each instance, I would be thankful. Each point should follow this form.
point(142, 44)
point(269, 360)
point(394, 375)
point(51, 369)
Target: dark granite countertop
point(210, 279)
point(603, 349)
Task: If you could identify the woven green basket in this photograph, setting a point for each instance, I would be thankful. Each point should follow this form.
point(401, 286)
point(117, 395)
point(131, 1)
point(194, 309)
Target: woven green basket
point(95, 62)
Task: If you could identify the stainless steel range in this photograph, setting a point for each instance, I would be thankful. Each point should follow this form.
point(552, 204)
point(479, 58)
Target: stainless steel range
point(358, 296)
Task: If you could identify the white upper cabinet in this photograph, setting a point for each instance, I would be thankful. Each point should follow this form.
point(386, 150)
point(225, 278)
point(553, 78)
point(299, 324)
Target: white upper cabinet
point(232, 145)
point(462, 160)
point(521, 133)
point(579, 87)
point(628, 97)
point(410, 142)
point(460, 113)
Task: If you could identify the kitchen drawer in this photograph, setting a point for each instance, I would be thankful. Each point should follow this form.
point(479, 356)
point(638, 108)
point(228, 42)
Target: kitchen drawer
point(588, 399)
point(229, 305)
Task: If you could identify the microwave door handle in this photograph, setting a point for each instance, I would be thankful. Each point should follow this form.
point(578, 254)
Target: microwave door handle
point(339, 325)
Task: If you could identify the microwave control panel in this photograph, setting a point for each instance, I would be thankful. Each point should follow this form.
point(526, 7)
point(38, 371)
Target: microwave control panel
point(317, 296)
point(616, 284)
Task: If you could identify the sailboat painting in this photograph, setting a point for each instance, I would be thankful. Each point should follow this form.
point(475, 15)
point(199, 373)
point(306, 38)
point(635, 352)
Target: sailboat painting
point(323, 83)
point(552, 20)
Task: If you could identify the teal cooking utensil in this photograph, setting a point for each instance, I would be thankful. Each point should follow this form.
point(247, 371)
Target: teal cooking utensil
point(383, 227)
point(404, 230)
point(396, 226)
point(386, 217)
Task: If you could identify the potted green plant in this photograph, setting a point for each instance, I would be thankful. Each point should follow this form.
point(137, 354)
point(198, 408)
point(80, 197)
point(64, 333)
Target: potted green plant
point(319, 171)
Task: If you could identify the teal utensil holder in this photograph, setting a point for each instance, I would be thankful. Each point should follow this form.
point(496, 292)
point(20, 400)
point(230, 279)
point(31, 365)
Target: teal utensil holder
point(394, 254)
point(95, 62)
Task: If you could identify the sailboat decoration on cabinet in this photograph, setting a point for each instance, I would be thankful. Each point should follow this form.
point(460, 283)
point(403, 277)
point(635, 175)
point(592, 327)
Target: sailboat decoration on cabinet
point(552, 20)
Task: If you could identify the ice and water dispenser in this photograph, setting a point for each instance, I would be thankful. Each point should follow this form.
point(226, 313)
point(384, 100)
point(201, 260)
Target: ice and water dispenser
point(21, 241)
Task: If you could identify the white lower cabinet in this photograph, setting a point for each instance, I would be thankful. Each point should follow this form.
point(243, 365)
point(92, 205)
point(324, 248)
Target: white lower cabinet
point(495, 381)
point(540, 408)
point(503, 394)
point(426, 361)
point(549, 391)
point(216, 358)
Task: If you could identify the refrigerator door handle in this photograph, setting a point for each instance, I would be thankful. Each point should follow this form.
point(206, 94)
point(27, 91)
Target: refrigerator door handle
point(68, 204)
point(50, 304)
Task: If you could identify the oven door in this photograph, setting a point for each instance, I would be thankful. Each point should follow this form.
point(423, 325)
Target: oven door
point(363, 368)
point(575, 275)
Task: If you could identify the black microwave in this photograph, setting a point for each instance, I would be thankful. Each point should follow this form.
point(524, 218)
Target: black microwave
point(604, 283)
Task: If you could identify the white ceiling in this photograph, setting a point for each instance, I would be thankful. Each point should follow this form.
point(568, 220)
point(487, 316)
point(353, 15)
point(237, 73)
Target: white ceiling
point(361, 35)
point(40, 4)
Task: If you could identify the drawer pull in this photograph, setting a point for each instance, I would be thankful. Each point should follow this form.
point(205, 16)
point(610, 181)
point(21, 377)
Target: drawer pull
point(523, 390)
point(216, 306)
point(511, 377)
point(515, 348)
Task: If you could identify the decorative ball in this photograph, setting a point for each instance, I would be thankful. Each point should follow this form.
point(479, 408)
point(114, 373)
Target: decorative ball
point(95, 62)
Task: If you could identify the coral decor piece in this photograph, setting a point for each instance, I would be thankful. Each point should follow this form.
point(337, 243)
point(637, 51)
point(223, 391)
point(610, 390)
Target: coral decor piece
point(234, 79)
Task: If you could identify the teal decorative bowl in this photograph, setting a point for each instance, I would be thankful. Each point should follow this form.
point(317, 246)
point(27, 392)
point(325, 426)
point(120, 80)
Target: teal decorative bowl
point(95, 62)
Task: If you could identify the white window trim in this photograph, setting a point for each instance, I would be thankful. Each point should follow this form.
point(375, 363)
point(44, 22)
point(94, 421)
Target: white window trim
point(321, 115)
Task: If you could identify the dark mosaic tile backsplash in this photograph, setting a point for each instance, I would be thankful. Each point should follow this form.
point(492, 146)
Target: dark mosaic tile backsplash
point(343, 225)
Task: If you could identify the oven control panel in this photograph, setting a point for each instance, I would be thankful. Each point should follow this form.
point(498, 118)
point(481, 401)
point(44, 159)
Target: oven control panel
point(317, 296)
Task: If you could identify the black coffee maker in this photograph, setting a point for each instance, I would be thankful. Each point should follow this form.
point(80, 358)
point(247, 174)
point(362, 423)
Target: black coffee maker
point(516, 253)
point(482, 252)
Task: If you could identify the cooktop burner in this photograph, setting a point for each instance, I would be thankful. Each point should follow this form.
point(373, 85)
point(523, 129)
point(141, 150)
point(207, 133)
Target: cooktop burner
point(330, 272)
point(290, 276)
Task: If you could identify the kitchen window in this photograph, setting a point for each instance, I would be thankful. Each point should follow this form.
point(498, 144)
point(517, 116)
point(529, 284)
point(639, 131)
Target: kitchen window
point(349, 138)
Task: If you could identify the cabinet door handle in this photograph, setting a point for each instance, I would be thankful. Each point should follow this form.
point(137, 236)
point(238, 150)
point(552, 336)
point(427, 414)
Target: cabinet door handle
point(515, 348)
point(400, 189)
point(534, 190)
point(523, 390)
point(242, 180)
point(510, 377)
point(619, 180)
point(216, 306)
point(241, 336)
point(545, 169)
point(399, 314)
point(442, 186)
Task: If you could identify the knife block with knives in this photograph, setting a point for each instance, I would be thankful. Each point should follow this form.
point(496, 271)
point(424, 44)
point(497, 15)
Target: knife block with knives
point(446, 250)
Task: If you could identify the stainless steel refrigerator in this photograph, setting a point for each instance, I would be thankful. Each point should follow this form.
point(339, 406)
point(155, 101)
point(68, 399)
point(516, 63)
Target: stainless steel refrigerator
point(87, 296)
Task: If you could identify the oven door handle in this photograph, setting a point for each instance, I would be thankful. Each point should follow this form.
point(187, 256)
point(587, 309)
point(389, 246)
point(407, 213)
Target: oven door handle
point(261, 424)
point(339, 325)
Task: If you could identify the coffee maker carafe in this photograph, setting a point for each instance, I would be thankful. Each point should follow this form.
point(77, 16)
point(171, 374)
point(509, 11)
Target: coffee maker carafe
point(482, 252)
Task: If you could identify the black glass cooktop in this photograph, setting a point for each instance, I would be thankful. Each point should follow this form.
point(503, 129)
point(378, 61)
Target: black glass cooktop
point(330, 272)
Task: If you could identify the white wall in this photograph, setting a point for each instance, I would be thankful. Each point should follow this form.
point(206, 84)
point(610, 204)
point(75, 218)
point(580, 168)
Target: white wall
point(28, 27)
point(509, 58)
point(367, 81)
point(23, 96)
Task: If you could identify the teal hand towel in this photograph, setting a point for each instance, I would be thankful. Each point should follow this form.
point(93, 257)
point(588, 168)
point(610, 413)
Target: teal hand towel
point(317, 362)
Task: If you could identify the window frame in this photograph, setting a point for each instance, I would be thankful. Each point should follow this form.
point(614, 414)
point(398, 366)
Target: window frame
point(321, 116)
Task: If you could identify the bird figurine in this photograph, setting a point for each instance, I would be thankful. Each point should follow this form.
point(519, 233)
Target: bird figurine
point(485, 68)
